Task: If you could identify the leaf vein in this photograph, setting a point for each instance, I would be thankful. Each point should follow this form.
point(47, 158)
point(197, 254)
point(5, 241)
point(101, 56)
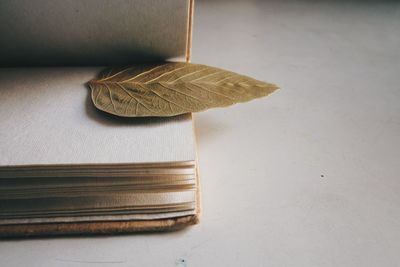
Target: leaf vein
point(166, 73)
point(112, 101)
point(107, 77)
point(140, 74)
point(206, 76)
point(172, 89)
point(217, 93)
point(136, 99)
point(186, 75)
point(168, 101)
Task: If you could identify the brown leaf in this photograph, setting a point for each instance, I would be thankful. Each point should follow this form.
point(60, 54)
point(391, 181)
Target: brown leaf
point(170, 89)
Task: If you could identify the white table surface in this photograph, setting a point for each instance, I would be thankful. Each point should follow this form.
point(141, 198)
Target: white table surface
point(309, 176)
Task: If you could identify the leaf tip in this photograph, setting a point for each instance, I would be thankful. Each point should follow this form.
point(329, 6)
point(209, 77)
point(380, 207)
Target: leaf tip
point(274, 87)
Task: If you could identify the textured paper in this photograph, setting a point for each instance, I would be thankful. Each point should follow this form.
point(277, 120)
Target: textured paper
point(92, 32)
point(47, 118)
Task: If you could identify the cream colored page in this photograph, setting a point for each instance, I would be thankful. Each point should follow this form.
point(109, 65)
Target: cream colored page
point(47, 117)
point(91, 32)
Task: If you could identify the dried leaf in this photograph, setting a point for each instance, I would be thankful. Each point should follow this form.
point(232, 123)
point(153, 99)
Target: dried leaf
point(170, 89)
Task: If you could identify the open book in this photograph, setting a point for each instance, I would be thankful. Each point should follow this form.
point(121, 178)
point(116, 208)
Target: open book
point(67, 168)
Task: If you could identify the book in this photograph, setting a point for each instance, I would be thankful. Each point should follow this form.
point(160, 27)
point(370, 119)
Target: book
point(68, 168)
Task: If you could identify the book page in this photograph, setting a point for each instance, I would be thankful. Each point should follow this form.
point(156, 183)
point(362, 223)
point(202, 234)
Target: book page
point(47, 117)
point(92, 32)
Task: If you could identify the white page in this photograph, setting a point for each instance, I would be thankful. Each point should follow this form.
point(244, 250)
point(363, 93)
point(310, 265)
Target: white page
point(91, 32)
point(47, 117)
